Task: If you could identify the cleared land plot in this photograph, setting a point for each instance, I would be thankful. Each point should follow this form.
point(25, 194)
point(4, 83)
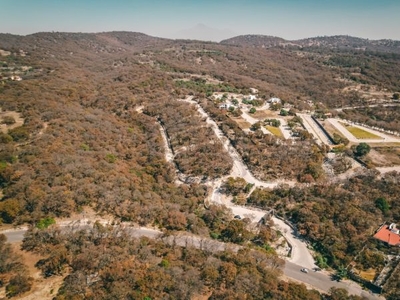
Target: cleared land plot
point(243, 124)
point(17, 117)
point(361, 133)
point(264, 114)
point(385, 156)
point(274, 130)
point(386, 145)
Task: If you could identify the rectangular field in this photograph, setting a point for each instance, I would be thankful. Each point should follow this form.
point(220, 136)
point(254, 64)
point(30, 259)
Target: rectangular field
point(362, 134)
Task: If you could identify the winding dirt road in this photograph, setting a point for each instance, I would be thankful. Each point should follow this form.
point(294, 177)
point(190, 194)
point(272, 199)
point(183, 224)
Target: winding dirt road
point(300, 253)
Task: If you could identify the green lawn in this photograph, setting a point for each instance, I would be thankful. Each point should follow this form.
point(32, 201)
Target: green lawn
point(274, 130)
point(362, 134)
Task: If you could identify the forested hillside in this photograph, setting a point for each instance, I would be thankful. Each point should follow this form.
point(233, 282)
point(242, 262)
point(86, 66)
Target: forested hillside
point(80, 128)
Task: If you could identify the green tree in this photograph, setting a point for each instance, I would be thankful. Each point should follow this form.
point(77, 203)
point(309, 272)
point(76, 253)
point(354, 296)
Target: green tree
point(362, 149)
point(341, 273)
point(396, 96)
point(252, 110)
point(255, 126)
point(382, 204)
point(284, 112)
point(44, 223)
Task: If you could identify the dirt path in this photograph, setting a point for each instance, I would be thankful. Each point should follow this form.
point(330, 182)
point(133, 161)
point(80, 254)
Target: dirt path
point(384, 170)
point(300, 253)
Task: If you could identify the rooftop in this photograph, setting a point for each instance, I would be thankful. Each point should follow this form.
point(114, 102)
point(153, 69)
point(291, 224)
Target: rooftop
point(388, 234)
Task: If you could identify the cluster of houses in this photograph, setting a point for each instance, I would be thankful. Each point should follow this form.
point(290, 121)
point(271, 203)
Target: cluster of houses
point(273, 100)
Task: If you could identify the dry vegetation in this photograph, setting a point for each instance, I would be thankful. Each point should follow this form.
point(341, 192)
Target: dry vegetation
point(242, 123)
point(385, 156)
point(79, 140)
point(386, 117)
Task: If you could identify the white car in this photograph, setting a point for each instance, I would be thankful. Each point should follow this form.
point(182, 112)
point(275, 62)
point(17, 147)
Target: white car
point(304, 270)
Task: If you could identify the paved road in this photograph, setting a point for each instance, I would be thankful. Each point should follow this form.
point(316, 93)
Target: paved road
point(17, 235)
point(318, 280)
point(300, 254)
point(322, 281)
point(14, 235)
point(313, 128)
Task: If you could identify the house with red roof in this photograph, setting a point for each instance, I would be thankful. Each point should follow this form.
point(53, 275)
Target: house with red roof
point(388, 234)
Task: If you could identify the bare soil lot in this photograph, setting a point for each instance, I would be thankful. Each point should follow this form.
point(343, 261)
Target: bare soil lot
point(243, 124)
point(17, 117)
point(385, 156)
point(264, 114)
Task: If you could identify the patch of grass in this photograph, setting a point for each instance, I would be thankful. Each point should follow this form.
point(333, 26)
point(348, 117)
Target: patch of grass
point(274, 130)
point(368, 274)
point(362, 134)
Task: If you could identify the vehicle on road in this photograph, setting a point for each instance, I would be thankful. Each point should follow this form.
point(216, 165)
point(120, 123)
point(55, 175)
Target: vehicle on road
point(316, 269)
point(304, 270)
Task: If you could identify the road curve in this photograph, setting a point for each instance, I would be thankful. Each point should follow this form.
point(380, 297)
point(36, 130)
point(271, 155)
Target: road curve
point(322, 281)
point(300, 256)
point(318, 280)
point(300, 253)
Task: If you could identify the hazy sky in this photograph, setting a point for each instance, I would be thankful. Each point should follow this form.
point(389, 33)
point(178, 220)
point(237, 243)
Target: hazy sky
point(290, 19)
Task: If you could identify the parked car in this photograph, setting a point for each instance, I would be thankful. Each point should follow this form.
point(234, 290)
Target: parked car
point(304, 270)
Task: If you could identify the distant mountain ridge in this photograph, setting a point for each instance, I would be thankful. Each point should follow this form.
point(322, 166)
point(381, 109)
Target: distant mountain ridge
point(342, 42)
point(102, 42)
point(124, 40)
